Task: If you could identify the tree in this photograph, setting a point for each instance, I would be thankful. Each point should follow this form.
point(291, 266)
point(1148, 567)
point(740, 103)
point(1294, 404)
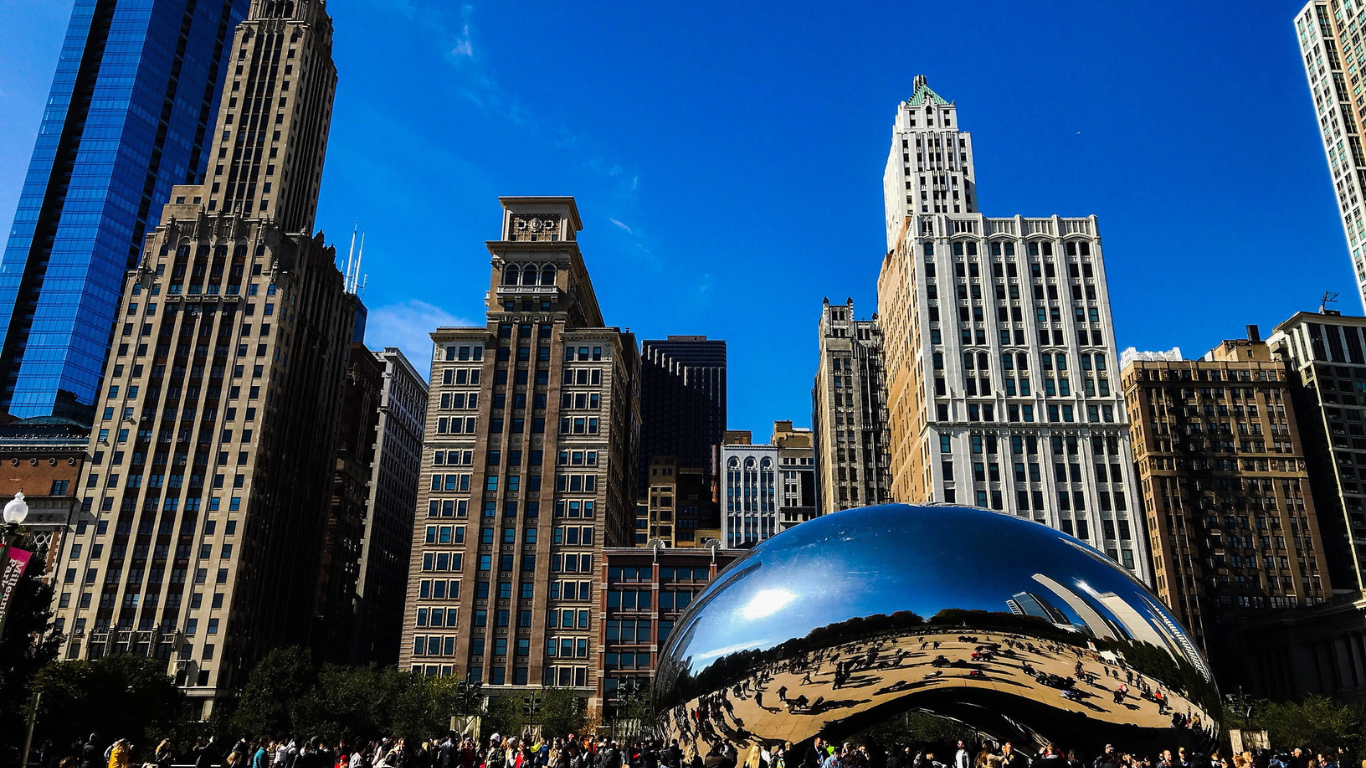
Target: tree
point(1316, 723)
point(424, 705)
point(561, 712)
point(505, 715)
point(119, 696)
point(287, 694)
point(277, 682)
point(29, 644)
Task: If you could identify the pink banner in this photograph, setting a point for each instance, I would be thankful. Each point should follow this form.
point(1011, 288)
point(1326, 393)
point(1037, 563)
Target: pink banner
point(18, 561)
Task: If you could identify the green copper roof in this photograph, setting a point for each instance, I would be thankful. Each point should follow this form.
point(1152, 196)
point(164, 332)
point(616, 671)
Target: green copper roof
point(923, 94)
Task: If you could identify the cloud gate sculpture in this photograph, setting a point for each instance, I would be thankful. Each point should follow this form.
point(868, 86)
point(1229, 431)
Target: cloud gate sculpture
point(1008, 626)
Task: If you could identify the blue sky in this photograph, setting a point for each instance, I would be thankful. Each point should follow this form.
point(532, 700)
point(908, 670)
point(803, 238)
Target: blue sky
point(727, 158)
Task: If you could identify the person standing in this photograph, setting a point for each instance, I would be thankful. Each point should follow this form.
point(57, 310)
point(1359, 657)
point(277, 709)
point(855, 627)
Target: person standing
point(1052, 758)
point(90, 753)
point(962, 758)
point(1013, 758)
point(119, 754)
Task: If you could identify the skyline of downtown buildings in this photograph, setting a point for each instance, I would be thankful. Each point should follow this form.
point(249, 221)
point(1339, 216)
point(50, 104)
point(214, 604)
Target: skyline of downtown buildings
point(985, 379)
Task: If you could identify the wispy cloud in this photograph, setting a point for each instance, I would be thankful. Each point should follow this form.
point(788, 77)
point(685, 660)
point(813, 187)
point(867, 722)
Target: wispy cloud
point(408, 326)
point(463, 44)
point(622, 226)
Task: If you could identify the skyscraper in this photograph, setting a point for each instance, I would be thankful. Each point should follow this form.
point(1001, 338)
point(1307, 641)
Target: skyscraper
point(394, 476)
point(530, 454)
point(1326, 33)
point(349, 506)
point(205, 501)
point(849, 412)
point(1230, 517)
point(129, 115)
point(999, 349)
point(941, 179)
point(682, 401)
point(1326, 355)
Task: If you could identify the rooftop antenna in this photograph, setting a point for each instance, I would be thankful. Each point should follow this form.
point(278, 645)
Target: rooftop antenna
point(1329, 297)
point(355, 276)
point(364, 283)
point(349, 253)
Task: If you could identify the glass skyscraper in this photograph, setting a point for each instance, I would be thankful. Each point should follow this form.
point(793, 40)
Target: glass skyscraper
point(128, 116)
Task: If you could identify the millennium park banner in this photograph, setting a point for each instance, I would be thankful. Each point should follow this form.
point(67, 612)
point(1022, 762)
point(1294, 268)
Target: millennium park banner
point(14, 568)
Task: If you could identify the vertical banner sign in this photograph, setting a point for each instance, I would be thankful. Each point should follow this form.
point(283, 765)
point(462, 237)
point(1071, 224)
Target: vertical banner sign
point(18, 560)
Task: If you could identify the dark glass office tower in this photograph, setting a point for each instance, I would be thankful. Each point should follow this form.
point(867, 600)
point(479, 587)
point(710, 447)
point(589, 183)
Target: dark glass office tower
point(682, 401)
point(129, 115)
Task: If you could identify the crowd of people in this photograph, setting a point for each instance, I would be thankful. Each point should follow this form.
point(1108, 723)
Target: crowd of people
point(583, 751)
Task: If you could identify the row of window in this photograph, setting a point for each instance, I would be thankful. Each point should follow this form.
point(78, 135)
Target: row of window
point(460, 376)
point(436, 617)
point(438, 589)
point(571, 590)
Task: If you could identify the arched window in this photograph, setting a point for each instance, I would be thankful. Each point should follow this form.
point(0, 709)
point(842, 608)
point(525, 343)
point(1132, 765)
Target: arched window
point(548, 274)
point(733, 463)
point(511, 274)
point(767, 464)
point(529, 274)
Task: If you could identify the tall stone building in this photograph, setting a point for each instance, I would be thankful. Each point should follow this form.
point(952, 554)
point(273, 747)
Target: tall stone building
point(1329, 42)
point(940, 179)
point(206, 497)
point(677, 505)
point(130, 114)
point(395, 473)
point(682, 401)
point(348, 509)
point(749, 495)
point(796, 474)
point(1326, 354)
point(1230, 519)
point(766, 489)
point(531, 447)
point(849, 413)
point(999, 350)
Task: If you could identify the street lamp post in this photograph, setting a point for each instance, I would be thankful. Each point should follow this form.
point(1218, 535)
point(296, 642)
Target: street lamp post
point(15, 513)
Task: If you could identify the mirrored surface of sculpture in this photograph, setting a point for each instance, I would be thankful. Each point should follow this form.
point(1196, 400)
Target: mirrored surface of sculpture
point(1015, 629)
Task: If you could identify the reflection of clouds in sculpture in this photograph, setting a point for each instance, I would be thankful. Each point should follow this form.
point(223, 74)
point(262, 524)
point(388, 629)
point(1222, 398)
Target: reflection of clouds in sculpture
point(1006, 624)
point(767, 602)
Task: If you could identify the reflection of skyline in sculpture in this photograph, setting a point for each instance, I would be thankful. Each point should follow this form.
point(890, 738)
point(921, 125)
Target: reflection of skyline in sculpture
point(1135, 625)
point(1176, 637)
point(1091, 621)
point(1031, 604)
point(846, 620)
point(1127, 622)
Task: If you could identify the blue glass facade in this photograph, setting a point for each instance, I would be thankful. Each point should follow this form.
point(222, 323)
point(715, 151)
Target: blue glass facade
point(130, 114)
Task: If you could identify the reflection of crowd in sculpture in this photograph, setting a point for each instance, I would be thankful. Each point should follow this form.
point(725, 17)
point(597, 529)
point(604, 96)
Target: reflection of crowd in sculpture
point(800, 696)
point(823, 754)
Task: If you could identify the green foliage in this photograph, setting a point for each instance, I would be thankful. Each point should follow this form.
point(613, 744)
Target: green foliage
point(637, 705)
point(561, 712)
point(27, 646)
point(117, 696)
point(287, 694)
point(1317, 723)
point(506, 715)
point(279, 681)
